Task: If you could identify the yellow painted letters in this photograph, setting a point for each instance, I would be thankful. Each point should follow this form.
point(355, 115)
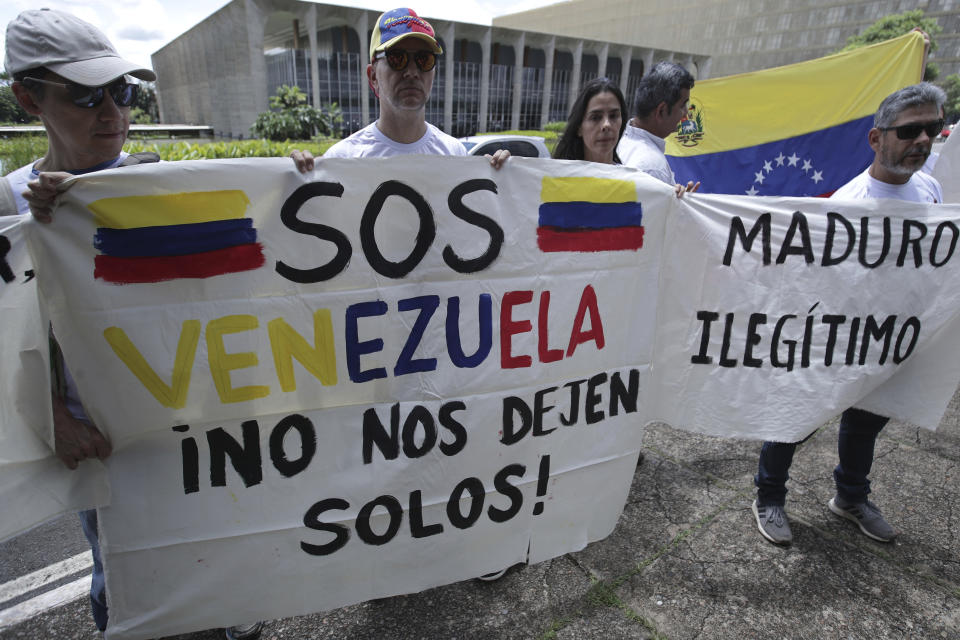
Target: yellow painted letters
point(173, 395)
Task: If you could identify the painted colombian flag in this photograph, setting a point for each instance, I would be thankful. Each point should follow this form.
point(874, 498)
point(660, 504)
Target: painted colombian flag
point(798, 130)
point(589, 214)
point(167, 237)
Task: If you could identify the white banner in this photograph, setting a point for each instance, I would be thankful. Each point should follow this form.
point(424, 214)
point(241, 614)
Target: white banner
point(34, 485)
point(394, 374)
point(947, 167)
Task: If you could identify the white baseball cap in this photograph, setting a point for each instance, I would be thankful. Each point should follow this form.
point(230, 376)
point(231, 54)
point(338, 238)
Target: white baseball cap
point(67, 46)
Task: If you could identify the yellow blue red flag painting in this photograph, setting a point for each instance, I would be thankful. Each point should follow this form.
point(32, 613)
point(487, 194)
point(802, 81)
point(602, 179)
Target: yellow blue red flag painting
point(797, 130)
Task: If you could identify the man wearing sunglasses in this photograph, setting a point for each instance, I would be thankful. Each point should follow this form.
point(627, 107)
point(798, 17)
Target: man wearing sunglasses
point(67, 73)
point(902, 136)
point(403, 58)
point(904, 128)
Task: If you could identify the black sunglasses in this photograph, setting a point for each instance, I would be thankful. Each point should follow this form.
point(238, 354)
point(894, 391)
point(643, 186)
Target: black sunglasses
point(124, 93)
point(911, 131)
point(398, 59)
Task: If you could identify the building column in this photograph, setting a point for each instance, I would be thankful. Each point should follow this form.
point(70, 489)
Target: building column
point(547, 82)
point(688, 64)
point(361, 27)
point(448, 36)
point(575, 74)
point(626, 58)
point(518, 46)
point(705, 69)
point(242, 113)
point(314, 69)
point(484, 80)
point(648, 61)
point(602, 56)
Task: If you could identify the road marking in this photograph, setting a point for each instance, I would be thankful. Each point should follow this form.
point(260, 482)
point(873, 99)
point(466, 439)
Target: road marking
point(45, 601)
point(41, 577)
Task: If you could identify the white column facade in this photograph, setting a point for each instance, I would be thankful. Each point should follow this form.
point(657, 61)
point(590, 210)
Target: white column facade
point(518, 46)
point(602, 56)
point(449, 34)
point(575, 74)
point(705, 68)
point(362, 26)
point(484, 80)
point(626, 59)
point(314, 69)
point(549, 51)
point(647, 61)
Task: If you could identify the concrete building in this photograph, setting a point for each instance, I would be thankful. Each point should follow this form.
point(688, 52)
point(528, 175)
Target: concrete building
point(738, 35)
point(222, 71)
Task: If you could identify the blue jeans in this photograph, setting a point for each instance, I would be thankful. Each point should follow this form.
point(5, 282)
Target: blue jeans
point(98, 587)
point(855, 443)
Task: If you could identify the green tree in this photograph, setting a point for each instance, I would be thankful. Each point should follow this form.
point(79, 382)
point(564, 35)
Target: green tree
point(894, 26)
point(951, 84)
point(291, 118)
point(145, 109)
point(10, 110)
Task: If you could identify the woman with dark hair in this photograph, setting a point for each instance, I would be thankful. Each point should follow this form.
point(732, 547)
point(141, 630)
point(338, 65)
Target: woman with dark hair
point(595, 125)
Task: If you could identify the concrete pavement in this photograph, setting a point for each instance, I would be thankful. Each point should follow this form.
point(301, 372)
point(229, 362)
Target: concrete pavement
point(686, 560)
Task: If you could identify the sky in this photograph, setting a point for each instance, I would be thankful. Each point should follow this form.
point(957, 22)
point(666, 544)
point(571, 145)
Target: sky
point(137, 28)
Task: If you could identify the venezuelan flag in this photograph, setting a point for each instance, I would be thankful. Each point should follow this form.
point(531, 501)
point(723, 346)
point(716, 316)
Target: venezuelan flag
point(797, 130)
point(197, 234)
point(589, 214)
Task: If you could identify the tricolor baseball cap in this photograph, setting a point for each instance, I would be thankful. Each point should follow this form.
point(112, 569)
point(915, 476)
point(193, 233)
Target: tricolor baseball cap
point(397, 24)
point(68, 46)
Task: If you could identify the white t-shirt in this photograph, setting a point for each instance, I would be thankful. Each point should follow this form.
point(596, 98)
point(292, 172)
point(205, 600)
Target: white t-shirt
point(919, 188)
point(370, 142)
point(640, 149)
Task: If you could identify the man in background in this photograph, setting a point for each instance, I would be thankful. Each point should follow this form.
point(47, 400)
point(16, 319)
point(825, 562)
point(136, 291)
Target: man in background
point(660, 103)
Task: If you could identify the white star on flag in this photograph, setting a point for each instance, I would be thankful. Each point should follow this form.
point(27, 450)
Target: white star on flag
point(768, 169)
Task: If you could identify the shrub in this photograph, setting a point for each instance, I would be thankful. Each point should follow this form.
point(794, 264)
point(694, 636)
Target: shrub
point(216, 150)
point(20, 150)
point(291, 118)
point(556, 127)
point(16, 152)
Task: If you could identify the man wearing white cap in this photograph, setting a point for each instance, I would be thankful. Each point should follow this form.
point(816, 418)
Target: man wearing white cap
point(67, 73)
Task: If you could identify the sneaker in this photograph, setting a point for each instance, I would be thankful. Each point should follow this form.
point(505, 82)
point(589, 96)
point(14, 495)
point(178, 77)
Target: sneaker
point(867, 516)
point(243, 631)
point(492, 577)
point(773, 524)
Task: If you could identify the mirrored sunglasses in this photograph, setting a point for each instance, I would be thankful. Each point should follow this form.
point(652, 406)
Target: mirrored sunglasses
point(398, 59)
point(911, 131)
point(124, 93)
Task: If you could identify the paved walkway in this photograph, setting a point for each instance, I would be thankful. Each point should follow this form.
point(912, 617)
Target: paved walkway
point(686, 560)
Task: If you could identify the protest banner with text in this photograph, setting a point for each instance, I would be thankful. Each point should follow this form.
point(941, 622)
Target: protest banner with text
point(389, 375)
